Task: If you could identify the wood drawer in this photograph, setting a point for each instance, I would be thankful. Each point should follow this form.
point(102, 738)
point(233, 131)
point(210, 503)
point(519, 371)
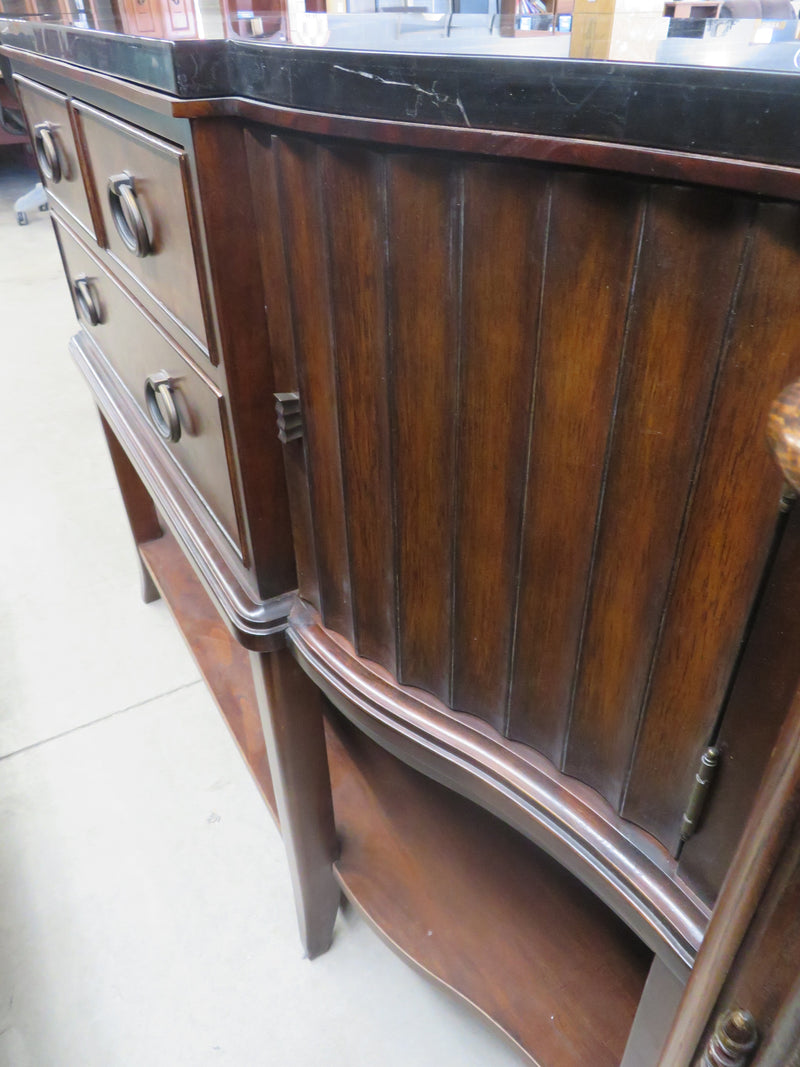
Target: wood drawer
point(139, 351)
point(50, 125)
point(144, 193)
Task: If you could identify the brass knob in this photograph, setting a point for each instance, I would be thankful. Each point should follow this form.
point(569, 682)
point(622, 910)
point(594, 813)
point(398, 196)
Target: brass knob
point(89, 310)
point(47, 157)
point(783, 433)
point(127, 215)
point(161, 406)
point(733, 1041)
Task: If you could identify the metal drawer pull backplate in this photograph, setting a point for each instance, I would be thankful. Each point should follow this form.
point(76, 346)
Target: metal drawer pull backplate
point(161, 406)
point(127, 215)
point(89, 310)
point(46, 152)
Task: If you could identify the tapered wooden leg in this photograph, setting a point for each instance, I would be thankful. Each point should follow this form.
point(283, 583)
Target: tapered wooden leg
point(291, 715)
point(654, 1016)
point(139, 506)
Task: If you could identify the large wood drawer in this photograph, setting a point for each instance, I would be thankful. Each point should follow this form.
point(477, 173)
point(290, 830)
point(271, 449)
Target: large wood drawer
point(144, 194)
point(57, 151)
point(170, 392)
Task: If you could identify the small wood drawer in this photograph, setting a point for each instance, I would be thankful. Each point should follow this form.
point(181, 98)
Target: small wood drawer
point(144, 193)
point(56, 151)
point(185, 411)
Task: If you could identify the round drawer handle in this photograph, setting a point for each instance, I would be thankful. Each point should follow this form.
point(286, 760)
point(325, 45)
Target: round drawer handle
point(44, 145)
point(161, 406)
point(89, 310)
point(127, 214)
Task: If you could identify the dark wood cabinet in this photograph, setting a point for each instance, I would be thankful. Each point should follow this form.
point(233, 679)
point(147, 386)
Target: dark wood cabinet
point(512, 555)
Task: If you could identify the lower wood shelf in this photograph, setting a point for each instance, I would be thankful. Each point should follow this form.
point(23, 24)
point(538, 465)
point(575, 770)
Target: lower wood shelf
point(462, 896)
point(482, 910)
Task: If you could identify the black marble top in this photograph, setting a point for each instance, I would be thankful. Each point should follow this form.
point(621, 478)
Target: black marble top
point(740, 111)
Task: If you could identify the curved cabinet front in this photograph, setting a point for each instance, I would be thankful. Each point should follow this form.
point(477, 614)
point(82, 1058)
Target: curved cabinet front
point(534, 402)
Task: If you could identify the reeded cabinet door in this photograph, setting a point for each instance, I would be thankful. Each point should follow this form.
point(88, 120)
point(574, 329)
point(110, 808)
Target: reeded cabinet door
point(534, 402)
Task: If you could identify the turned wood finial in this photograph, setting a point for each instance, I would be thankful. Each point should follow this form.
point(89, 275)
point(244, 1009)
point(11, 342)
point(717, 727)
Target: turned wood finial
point(783, 433)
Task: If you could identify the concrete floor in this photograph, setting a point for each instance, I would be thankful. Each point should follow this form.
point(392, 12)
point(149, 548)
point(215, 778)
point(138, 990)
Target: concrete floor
point(145, 908)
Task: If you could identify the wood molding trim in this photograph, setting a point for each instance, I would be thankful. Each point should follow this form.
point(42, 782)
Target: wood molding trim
point(622, 864)
point(740, 175)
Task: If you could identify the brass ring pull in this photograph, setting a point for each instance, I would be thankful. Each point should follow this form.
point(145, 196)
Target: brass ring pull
point(161, 406)
point(127, 215)
point(89, 311)
point(44, 146)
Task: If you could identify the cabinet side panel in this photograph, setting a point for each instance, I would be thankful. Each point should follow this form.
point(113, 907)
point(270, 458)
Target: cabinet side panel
point(688, 266)
point(262, 150)
point(728, 532)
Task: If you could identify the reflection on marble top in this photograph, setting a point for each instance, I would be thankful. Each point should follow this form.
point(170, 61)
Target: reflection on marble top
point(716, 86)
point(669, 32)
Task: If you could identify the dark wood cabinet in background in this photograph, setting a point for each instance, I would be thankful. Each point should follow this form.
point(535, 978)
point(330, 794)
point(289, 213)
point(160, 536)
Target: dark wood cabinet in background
point(514, 553)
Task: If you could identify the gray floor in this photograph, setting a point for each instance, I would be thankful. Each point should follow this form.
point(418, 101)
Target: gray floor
point(145, 909)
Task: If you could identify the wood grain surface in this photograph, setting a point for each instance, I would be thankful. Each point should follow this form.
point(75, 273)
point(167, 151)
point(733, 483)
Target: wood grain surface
point(261, 150)
point(523, 441)
point(728, 531)
point(589, 272)
point(219, 152)
point(505, 223)
point(691, 247)
point(424, 212)
point(353, 181)
point(483, 911)
point(766, 681)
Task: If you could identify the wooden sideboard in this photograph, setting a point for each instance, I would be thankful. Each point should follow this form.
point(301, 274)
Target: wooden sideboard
point(448, 450)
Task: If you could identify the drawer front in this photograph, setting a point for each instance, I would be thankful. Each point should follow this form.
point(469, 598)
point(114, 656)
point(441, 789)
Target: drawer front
point(178, 396)
point(56, 151)
point(145, 199)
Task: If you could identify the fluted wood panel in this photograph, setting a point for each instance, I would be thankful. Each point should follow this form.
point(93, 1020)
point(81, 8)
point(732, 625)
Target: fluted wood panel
point(691, 245)
point(594, 238)
point(534, 402)
point(424, 219)
point(353, 180)
point(505, 210)
point(728, 530)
